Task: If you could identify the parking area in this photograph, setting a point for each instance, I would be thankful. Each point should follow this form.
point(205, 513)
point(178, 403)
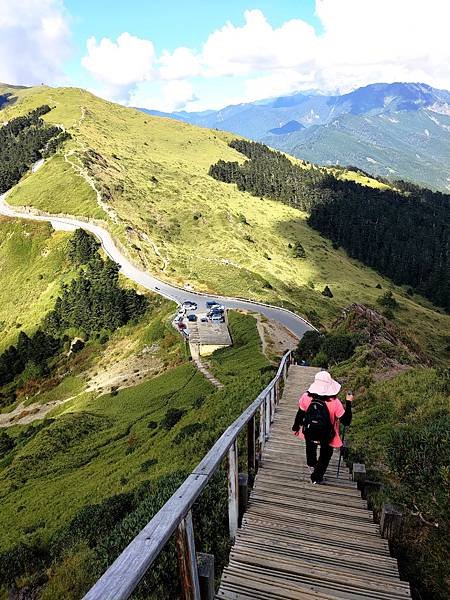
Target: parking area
point(205, 327)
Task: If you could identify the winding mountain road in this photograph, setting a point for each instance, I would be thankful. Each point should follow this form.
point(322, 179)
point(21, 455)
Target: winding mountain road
point(297, 325)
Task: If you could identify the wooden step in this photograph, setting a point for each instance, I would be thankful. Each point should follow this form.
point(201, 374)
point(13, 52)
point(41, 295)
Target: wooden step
point(301, 541)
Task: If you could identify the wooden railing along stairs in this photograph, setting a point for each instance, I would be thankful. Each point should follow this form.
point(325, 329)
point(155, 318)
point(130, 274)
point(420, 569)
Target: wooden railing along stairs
point(297, 540)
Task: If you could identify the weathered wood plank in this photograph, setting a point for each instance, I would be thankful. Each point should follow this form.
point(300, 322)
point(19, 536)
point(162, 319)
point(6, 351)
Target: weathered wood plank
point(233, 490)
point(205, 565)
point(187, 559)
point(251, 446)
point(299, 540)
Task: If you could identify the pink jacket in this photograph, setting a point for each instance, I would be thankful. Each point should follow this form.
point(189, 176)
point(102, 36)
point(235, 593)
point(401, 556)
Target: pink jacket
point(336, 411)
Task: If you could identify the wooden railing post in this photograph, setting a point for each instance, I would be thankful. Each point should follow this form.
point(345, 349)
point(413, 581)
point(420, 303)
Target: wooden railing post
point(359, 472)
point(243, 496)
point(272, 404)
point(262, 428)
point(205, 563)
point(187, 560)
point(251, 447)
point(390, 522)
point(233, 489)
point(268, 415)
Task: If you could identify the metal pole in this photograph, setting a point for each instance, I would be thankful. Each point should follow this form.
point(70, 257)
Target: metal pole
point(340, 452)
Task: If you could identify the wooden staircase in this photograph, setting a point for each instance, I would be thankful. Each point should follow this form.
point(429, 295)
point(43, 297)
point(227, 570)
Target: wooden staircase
point(302, 541)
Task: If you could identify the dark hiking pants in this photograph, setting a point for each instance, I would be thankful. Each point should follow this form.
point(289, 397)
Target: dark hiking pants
point(320, 466)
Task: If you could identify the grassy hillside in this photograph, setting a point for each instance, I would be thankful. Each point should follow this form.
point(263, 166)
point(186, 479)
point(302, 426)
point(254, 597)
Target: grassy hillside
point(95, 448)
point(69, 192)
point(151, 174)
point(33, 264)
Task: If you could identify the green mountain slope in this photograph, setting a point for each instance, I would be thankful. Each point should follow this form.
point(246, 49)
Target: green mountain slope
point(381, 128)
point(400, 145)
point(33, 264)
point(77, 486)
point(151, 176)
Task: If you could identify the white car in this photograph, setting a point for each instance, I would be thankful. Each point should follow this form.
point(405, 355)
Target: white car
point(188, 305)
point(217, 319)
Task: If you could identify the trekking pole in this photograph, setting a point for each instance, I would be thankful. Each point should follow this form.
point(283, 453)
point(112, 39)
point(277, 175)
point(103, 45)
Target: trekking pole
point(349, 397)
point(340, 452)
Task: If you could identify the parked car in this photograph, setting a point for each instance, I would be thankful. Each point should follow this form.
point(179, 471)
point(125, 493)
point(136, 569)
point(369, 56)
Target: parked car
point(192, 317)
point(217, 318)
point(204, 319)
point(217, 309)
point(211, 303)
point(189, 305)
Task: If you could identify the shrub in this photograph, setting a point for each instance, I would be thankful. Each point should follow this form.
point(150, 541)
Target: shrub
point(189, 431)
point(388, 301)
point(198, 402)
point(320, 360)
point(171, 418)
point(145, 466)
point(309, 345)
point(338, 347)
point(327, 292)
point(6, 443)
point(298, 251)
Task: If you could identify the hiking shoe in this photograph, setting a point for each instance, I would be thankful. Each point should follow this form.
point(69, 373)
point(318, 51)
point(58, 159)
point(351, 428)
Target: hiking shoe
point(315, 481)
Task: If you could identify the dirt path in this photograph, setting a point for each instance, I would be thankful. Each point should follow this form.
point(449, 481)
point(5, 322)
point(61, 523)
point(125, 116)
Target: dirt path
point(24, 415)
point(275, 338)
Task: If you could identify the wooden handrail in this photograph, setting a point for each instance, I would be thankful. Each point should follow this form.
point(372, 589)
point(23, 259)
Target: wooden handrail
point(122, 577)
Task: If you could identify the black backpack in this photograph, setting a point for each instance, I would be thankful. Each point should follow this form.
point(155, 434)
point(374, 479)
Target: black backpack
point(317, 425)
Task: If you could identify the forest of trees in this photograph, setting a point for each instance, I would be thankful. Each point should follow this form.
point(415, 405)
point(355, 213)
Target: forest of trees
point(92, 304)
point(23, 141)
point(402, 234)
point(94, 301)
point(270, 173)
point(406, 238)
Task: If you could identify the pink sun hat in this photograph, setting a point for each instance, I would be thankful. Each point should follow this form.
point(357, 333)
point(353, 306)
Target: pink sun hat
point(324, 385)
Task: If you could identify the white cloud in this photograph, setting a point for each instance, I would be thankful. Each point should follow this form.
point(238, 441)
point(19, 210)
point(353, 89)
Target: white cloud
point(361, 42)
point(257, 46)
point(379, 40)
point(172, 96)
point(120, 65)
point(34, 41)
point(179, 64)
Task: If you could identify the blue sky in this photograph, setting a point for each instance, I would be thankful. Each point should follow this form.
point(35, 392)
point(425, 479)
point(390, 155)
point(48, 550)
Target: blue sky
point(203, 54)
point(175, 22)
point(170, 25)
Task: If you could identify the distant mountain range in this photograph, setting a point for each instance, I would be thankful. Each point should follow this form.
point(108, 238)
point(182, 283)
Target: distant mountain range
point(397, 130)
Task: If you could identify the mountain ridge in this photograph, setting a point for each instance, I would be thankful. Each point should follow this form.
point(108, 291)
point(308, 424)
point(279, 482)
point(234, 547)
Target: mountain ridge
point(407, 103)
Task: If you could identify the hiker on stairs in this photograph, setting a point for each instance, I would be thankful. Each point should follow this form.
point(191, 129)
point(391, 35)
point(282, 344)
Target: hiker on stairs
point(317, 422)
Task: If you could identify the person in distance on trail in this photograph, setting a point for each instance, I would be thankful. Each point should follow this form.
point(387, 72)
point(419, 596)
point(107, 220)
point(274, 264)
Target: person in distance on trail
point(317, 422)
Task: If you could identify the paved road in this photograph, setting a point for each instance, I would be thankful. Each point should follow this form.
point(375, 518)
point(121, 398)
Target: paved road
point(293, 322)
